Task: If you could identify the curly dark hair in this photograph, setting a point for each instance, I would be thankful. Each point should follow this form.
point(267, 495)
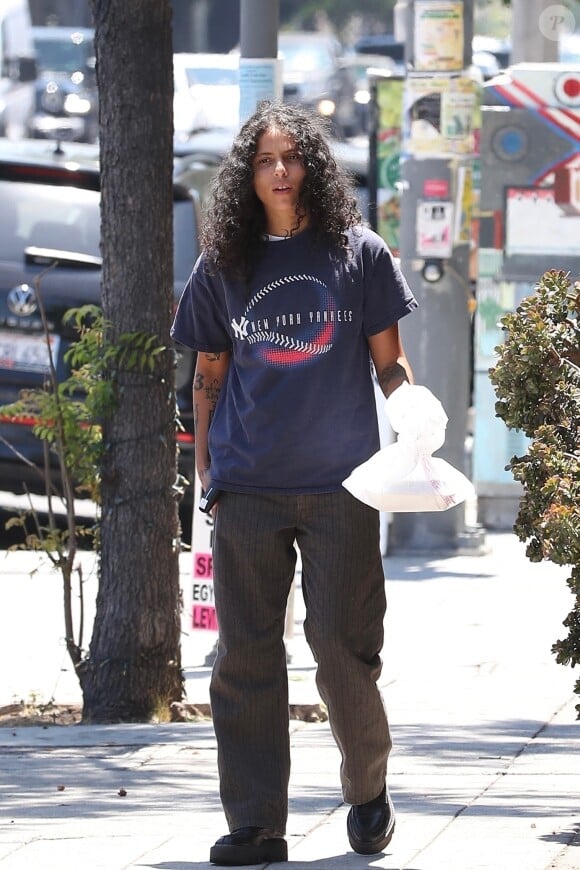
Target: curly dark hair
point(235, 221)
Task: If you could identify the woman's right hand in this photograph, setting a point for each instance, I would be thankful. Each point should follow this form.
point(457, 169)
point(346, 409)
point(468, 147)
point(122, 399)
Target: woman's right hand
point(204, 477)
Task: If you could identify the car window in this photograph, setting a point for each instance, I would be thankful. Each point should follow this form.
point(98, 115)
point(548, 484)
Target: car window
point(62, 55)
point(304, 58)
point(68, 219)
point(46, 216)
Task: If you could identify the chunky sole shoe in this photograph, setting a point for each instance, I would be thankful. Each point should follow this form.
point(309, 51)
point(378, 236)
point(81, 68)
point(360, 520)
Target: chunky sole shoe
point(370, 826)
point(246, 846)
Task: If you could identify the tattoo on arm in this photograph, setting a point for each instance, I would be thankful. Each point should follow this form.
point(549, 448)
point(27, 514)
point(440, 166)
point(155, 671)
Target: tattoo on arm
point(212, 393)
point(390, 373)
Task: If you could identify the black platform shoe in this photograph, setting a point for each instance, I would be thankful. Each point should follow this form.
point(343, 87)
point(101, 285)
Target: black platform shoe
point(249, 846)
point(370, 826)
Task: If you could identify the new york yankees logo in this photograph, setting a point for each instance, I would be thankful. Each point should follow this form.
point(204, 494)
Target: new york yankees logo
point(285, 340)
point(241, 328)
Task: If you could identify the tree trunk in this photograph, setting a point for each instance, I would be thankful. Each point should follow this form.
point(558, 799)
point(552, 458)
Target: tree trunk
point(133, 671)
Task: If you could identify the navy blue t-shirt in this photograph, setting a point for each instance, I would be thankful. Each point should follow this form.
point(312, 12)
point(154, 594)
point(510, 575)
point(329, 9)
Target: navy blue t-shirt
point(297, 411)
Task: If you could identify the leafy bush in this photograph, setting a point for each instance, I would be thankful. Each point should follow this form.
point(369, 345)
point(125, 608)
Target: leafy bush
point(537, 383)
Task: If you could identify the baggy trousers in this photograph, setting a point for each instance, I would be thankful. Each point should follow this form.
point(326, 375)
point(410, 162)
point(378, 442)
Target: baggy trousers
point(344, 592)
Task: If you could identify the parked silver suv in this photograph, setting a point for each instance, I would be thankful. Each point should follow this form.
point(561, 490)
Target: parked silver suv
point(50, 210)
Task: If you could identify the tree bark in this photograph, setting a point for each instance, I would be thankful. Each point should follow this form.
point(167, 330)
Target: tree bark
point(133, 671)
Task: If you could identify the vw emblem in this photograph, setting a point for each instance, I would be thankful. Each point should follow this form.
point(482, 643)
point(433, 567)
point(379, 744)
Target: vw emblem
point(22, 300)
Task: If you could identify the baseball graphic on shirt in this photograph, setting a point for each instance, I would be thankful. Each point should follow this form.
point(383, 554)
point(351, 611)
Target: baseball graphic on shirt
point(292, 327)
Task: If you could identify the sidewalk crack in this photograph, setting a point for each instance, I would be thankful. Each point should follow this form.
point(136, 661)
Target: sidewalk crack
point(490, 785)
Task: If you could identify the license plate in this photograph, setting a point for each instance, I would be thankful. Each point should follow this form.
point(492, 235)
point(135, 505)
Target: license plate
point(21, 352)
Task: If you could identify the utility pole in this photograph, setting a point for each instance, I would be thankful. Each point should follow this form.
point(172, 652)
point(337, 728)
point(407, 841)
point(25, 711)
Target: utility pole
point(435, 236)
point(260, 76)
point(536, 27)
point(261, 79)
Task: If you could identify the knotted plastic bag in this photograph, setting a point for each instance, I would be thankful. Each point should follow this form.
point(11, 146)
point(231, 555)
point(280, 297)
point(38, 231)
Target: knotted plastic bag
point(404, 476)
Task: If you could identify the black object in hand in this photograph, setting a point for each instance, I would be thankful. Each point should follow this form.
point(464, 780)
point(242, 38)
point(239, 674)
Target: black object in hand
point(208, 499)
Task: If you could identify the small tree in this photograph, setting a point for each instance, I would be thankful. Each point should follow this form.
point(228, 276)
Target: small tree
point(68, 417)
point(537, 382)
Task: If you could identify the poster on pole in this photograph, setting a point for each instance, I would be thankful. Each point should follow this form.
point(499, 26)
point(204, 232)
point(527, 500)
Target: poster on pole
point(440, 116)
point(536, 223)
point(439, 37)
point(388, 155)
point(260, 79)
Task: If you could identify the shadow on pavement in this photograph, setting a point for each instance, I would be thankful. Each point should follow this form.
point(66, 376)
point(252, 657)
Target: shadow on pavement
point(336, 861)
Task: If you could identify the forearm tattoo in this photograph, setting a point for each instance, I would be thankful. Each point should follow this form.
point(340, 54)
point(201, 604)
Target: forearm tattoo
point(211, 390)
point(388, 374)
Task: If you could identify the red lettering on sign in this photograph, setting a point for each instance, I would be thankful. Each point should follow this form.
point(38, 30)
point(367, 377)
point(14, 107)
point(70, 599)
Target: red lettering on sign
point(203, 565)
point(204, 618)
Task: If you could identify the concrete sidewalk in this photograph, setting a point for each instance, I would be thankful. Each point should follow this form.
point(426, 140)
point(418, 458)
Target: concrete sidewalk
point(485, 770)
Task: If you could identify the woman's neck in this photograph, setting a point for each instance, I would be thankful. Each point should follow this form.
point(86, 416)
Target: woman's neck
point(278, 226)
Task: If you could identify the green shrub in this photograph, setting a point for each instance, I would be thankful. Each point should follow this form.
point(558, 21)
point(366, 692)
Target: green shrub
point(537, 383)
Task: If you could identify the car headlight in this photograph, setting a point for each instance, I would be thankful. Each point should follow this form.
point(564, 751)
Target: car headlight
point(327, 108)
point(362, 97)
point(75, 104)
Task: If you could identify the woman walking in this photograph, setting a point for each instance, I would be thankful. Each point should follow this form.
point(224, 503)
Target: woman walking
point(288, 304)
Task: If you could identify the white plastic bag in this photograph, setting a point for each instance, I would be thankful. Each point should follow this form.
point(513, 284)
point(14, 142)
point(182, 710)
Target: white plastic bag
point(404, 476)
point(418, 417)
point(385, 483)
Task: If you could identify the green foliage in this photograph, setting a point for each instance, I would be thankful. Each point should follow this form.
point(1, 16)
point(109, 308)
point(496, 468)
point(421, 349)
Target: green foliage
point(537, 383)
point(67, 417)
point(47, 539)
point(68, 414)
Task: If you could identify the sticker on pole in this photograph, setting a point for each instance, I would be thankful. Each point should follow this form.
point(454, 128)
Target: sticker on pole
point(434, 229)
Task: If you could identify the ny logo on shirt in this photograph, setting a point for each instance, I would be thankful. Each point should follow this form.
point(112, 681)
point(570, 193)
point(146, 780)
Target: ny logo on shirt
point(241, 328)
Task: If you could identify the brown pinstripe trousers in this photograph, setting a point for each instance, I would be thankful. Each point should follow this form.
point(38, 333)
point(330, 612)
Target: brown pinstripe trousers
point(344, 592)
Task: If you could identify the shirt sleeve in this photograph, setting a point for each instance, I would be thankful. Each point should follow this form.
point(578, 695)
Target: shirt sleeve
point(201, 321)
point(388, 297)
